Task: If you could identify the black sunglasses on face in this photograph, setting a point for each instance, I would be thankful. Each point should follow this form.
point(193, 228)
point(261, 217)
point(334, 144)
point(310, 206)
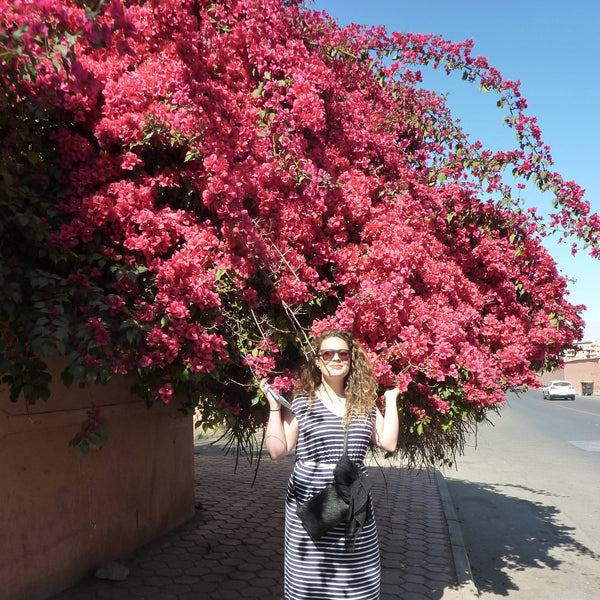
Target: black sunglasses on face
point(329, 354)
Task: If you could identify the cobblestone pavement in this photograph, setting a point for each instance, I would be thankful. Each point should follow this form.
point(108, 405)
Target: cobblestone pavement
point(233, 548)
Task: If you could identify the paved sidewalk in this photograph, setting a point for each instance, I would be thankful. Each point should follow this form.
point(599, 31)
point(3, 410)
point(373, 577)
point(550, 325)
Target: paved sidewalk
point(233, 548)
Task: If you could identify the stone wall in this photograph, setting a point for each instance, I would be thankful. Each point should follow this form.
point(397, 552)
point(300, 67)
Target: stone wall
point(64, 514)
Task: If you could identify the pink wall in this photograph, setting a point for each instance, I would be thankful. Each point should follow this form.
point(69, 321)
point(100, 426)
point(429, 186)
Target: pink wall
point(576, 371)
point(63, 514)
point(547, 376)
point(583, 370)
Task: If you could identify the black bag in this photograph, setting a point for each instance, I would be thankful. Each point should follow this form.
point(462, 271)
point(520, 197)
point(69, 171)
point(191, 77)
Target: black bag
point(322, 512)
point(344, 501)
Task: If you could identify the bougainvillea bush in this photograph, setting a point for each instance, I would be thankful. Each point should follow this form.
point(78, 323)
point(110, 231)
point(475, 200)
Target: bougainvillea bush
point(191, 188)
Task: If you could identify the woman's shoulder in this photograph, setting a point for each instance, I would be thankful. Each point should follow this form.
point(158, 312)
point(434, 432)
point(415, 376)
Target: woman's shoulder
point(300, 401)
point(300, 397)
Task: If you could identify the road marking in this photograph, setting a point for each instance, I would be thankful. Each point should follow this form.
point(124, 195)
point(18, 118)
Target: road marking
point(583, 412)
point(591, 446)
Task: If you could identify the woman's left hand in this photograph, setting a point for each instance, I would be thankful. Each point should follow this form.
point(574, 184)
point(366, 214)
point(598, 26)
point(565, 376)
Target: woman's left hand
point(385, 434)
point(391, 396)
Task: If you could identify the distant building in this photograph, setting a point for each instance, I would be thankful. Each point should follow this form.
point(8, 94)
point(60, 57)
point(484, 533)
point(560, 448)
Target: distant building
point(580, 367)
point(589, 349)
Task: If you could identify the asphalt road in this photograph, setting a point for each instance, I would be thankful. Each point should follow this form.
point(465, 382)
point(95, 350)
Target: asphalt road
point(527, 495)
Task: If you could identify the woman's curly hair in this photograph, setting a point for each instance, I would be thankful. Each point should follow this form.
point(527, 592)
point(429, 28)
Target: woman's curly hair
point(361, 385)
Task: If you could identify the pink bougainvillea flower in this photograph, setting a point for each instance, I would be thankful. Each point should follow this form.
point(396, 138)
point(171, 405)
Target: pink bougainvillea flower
point(237, 175)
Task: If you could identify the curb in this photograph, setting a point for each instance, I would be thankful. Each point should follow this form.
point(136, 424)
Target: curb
point(466, 585)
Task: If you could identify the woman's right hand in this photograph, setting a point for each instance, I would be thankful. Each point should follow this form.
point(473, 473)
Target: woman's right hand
point(282, 427)
point(264, 385)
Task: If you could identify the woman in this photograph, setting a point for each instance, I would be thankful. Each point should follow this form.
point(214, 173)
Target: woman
point(339, 392)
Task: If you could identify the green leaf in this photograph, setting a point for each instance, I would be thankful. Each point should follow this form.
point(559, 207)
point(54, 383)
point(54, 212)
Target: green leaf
point(67, 377)
point(78, 371)
point(258, 91)
point(20, 32)
point(132, 335)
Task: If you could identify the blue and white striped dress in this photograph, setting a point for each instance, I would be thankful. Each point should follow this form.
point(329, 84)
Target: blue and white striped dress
point(325, 570)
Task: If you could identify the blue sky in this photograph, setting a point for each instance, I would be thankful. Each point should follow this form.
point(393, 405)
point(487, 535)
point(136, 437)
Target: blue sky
point(551, 46)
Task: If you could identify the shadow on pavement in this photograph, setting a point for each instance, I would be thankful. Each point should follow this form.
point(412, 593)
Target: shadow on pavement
point(233, 548)
point(504, 534)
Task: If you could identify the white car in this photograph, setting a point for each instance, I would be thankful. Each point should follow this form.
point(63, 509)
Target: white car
point(556, 390)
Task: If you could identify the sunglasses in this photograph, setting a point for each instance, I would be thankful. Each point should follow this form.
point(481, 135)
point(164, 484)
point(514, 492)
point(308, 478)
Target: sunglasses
point(329, 354)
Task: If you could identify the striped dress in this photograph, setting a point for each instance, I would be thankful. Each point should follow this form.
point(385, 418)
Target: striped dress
point(325, 570)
